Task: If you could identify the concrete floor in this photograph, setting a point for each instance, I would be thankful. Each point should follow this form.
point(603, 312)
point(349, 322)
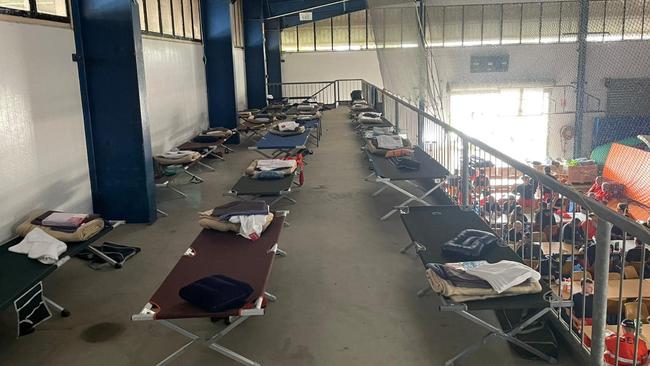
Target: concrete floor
point(346, 295)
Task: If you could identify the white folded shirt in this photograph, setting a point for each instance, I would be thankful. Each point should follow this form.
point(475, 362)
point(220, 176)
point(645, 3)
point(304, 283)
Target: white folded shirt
point(288, 126)
point(38, 245)
point(503, 274)
point(389, 142)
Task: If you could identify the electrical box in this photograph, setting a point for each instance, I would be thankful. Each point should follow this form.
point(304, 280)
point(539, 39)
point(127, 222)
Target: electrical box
point(306, 16)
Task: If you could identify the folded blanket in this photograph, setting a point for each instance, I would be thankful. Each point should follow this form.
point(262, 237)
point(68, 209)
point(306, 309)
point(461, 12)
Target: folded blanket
point(188, 158)
point(84, 232)
point(205, 139)
point(306, 107)
point(216, 293)
point(234, 208)
point(218, 132)
point(38, 221)
point(38, 245)
point(372, 147)
point(462, 294)
point(288, 126)
point(287, 167)
point(396, 153)
point(176, 154)
point(298, 131)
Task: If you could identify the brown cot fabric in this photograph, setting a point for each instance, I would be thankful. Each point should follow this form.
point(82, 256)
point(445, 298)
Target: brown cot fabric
point(218, 253)
point(194, 146)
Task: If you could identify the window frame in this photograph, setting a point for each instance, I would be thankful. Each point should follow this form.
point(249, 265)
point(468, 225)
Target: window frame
point(186, 17)
point(33, 13)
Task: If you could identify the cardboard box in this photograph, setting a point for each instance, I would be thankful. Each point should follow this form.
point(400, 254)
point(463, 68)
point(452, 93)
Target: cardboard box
point(582, 173)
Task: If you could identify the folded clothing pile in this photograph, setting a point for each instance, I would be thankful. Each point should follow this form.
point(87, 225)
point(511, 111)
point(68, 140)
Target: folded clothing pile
point(306, 107)
point(360, 105)
point(397, 153)
point(271, 168)
point(38, 245)
point(479, 280)
point(370, 118)
point(216, 293)
point(218, 132)
point(389, 142)
point(176, 156)
point(260, 118)
point(308, 117)
point(470, 244)
point(63, 226)
point(289, 128)
point(248, 218)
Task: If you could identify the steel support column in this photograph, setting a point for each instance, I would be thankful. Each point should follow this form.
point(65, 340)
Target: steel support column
point(112, 86)
point(601, 269)
point(219, 64)
point(581, 78)
point(273, 56)
point(254, 47)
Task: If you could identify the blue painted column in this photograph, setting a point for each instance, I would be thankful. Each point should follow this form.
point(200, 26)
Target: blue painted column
point(254, 47)
point(111, 77)
point(273, 56)
point(219, 65)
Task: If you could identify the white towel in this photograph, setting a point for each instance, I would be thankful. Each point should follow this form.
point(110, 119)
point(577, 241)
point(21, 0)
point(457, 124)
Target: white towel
point(503, 274)
point(251, 226)
point(288, 126)
point(37, 244)
point(389, 142)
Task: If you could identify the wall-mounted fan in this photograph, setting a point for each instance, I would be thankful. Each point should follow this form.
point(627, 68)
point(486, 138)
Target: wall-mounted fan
point(567, 133)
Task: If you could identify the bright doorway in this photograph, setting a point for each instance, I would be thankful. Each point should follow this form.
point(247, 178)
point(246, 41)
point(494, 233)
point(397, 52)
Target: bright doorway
point(511, 120)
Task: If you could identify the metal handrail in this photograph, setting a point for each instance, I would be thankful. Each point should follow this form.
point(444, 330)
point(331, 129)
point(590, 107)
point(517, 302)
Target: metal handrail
point(594, 206)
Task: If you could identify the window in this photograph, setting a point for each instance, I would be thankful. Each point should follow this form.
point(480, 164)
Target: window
point(237, 21)
point(323, 35)
point(569, 21)
point(179, 18)
point(289, 40)
point(511, 30)
point(550, 23)
point(472, 25)
point(306, 37)
point(453, 26)
point(340, 33)
point(491, 24)
point(358, 30)
point(530, 22)
point(56, 10)
point(434, 24)
point(410, 28)
point(392, 28)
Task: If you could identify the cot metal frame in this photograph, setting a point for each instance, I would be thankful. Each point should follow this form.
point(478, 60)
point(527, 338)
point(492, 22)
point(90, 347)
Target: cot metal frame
point(509, 336)
point(278, 153)
point(388, 183)
point(282, 195)
point(147, 313)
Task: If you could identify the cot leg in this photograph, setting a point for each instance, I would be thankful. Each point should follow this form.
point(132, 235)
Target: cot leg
point(217, 156)
point(227, 149)
point(205, 165)
point(369, 176)
point(176, 353)
point(466, 351)
point(161, 212)
point(280, 253)
point(378, 191)
point(425, 291)
point(232, 355)
point(411, 244)
point(270, 296)
point(176, 190)
point(62, 311)
point(106, 258)
point(193, 177)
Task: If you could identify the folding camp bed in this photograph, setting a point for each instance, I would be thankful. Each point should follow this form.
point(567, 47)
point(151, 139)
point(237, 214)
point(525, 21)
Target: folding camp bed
point(250, 188)
point(429, 228)
point(19, 274)
point(314, 125)
point(386, 172)
point(214, 252)
point(281, 146)
point(208, 149)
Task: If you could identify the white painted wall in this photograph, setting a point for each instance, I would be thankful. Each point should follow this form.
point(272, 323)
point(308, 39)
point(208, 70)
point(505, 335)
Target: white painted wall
point(325, 66)
point(239, 62)
point(43, 158)
point(176, 91)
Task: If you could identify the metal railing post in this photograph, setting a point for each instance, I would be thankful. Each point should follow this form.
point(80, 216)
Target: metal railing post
point(601, 278)
point(396, 114)
point(336, 93)
point(421, 124)
point(465, 167)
